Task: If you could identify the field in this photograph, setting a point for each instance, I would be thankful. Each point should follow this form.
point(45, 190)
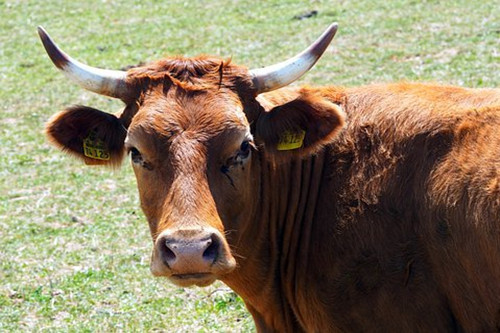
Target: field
point(74, 245)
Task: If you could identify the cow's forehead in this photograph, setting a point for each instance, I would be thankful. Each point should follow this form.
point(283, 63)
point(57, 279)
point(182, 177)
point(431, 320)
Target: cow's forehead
point(204, 114)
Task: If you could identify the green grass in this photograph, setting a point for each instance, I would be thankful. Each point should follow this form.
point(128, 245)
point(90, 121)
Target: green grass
point(74, 245)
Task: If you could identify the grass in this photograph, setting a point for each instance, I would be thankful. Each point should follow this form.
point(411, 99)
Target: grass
point(74, 245)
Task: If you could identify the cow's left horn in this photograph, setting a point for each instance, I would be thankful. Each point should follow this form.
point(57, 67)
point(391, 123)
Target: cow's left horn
point(282, 74)
point(102, 81)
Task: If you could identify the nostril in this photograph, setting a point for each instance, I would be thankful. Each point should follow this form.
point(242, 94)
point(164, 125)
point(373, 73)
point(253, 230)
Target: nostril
point(168, 256)
point(212, 251)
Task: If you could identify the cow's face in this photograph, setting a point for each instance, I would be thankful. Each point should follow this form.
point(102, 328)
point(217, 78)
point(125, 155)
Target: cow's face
point(191, 152)
point(197, 136)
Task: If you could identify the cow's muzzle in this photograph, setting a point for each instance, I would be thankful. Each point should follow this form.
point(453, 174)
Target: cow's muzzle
point(192, 256)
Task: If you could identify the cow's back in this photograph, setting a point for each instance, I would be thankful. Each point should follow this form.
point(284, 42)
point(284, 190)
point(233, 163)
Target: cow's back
point(406, 236)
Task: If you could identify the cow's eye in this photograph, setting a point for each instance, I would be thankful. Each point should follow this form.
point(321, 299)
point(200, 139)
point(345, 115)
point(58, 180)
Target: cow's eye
point(240, 158)
point(135, 155)
point(245, 148)
point(137, 159)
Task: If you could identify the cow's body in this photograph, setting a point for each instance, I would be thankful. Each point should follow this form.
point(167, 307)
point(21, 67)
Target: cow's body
point(385, 217)
point(394, 226)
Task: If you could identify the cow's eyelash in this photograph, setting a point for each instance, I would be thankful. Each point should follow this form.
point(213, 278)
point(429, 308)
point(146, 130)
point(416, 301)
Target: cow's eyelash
point(238, 159)
point(134, 154)
point(137, 158)
point(245, 149)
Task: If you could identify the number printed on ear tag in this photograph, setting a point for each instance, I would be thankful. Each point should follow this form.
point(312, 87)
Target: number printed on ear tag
point(95, 148)
point(291, 140)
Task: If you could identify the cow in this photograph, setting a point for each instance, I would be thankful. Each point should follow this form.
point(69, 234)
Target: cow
point(328, 209)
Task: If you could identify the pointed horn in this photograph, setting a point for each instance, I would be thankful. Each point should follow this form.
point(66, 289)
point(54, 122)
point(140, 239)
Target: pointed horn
point(282, 74)
point(102, 81)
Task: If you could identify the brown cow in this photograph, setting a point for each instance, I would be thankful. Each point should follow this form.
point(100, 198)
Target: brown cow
point(329, 209)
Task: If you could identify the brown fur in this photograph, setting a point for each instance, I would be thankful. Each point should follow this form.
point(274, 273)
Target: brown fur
point(309, 112)
point(385, 221)
point(68, 129)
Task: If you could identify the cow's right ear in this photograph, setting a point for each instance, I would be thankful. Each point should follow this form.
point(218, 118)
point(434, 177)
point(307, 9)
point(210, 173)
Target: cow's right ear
point(92, 135)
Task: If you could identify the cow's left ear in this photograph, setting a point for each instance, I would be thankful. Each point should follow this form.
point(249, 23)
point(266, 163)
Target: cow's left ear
point(92, 135)
point(299, 127)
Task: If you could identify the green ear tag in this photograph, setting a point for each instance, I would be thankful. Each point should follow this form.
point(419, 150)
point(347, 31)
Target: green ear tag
point(291, 140)
point(95, 148)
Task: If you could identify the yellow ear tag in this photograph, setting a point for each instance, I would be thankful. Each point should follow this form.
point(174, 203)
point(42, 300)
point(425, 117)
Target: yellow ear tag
point(95, 148)
point(291, 140)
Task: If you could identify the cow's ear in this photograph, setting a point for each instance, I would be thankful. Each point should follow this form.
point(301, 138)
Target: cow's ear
point(299, 127)
point(94, 136)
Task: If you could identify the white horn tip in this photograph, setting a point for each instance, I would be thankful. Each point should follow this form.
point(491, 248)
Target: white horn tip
point(283, 73)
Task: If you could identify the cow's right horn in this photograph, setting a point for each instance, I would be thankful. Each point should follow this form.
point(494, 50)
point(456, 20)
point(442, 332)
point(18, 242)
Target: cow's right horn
point(283, 73)
point(102, 81)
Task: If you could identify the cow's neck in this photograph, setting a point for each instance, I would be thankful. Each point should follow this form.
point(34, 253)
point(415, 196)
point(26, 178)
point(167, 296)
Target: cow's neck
point(274, 247)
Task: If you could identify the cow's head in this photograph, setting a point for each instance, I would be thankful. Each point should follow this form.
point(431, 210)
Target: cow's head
point(196, 135)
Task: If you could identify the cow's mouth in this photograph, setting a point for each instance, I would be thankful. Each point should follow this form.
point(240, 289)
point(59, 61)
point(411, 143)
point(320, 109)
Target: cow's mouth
point(199, 279)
